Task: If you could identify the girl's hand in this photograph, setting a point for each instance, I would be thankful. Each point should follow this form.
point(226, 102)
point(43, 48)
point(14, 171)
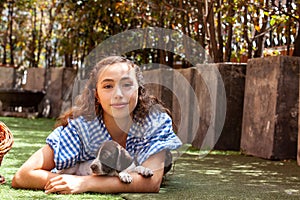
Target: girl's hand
point(65, 184)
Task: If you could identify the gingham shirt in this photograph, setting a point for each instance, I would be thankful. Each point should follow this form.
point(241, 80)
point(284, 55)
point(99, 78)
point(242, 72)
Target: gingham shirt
point(80, 139)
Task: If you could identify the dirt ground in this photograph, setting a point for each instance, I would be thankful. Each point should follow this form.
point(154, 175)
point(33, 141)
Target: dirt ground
point(232, 176)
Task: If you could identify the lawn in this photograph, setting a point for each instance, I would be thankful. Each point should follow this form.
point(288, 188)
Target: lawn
point(219, 175)
point(30, 135)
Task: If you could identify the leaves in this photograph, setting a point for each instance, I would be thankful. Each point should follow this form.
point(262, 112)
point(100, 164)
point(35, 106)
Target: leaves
point(72, 28)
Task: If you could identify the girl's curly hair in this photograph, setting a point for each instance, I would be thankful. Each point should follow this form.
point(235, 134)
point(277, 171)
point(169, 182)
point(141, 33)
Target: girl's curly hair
point(87, 105)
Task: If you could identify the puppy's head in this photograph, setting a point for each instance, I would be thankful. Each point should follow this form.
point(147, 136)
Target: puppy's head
point(111, 159)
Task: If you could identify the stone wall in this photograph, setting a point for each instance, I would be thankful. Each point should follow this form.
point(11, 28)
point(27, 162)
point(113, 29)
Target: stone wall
point(262, 102)
point(298, 147)
point(233, 76)
point(194, 99)
point(7, 77)
point(57, 84)
point(35, 79)
point(59, 90)
point(270, 119)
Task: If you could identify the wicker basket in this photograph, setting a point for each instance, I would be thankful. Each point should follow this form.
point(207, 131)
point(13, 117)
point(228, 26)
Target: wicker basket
point(6, 140)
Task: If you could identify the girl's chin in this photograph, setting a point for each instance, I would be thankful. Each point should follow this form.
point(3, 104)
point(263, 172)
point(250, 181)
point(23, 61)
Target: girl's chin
point(121, 115)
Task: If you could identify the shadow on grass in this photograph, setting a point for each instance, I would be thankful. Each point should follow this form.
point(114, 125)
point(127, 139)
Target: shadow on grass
point(229, 177)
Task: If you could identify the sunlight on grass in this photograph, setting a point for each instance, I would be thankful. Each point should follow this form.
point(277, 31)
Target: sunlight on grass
point(189, 149)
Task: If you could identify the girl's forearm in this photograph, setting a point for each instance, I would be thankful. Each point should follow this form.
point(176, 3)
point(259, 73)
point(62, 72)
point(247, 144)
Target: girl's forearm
point(35, 174)
point(70, 184)
point(38, 179)
point(107, 184)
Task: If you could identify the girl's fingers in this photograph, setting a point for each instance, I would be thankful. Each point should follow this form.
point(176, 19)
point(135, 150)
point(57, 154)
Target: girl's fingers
point(62, 189)
point(52, 182)
point(64, 184)
point(56, 184)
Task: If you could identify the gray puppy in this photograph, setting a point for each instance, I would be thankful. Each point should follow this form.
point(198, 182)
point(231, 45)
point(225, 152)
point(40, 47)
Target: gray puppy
point(112, 160)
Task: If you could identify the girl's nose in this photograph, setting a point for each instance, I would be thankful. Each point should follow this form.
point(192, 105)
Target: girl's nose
point(118, 92)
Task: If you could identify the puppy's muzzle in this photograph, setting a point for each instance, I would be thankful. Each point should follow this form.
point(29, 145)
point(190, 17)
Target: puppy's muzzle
point(101, 169)
point(95, 168)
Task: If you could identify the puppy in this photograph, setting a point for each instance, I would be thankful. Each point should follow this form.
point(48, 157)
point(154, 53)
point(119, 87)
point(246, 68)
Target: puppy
point(112, 160)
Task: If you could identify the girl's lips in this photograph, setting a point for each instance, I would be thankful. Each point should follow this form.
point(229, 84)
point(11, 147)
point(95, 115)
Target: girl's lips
point(119, 105)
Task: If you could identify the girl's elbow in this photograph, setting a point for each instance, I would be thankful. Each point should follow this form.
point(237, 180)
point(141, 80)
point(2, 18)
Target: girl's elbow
point(19, 179)
point(155, 186)
point(156, 182)
point(147, 185)
point(156, 189)
point(15, 181)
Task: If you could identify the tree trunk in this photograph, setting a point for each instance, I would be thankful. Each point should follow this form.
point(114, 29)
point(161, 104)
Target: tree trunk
point(4, 48)
point(1, 15)
point(32, 46)
point(40, 38)
point(249, 42)
point(49, 55)
point(4, 58)
point(200, 28)
point(220, 37)
point(212, 34)
point(260, 38)
point(297, 42)
point(288, 30)
point(259, 43)
point(68, 59)
point(228, 49)
point(11, 43)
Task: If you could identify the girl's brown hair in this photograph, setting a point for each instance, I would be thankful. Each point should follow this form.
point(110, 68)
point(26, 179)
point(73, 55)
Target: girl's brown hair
point(87, 105)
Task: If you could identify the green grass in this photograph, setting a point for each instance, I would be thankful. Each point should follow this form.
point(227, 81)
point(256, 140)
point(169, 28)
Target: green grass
point(218, 175)
point(29, 136)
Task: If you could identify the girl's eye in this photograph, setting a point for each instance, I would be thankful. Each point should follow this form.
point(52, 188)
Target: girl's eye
point(107, 86)
point(127, 85)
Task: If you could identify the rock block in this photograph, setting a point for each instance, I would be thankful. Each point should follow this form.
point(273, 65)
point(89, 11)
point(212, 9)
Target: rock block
point(233, 80)
point(181, 109)
point(35, 80)
point(152, 78)
point(233, 75)
point(6, 77)
point(159, 82)
point(270, 119)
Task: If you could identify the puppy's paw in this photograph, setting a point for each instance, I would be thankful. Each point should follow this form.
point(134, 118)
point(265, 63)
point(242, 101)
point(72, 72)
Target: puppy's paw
point(145, 172)
point(125, 177)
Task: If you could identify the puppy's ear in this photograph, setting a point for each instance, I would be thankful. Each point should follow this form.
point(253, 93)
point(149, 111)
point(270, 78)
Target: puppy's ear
point(124, 161)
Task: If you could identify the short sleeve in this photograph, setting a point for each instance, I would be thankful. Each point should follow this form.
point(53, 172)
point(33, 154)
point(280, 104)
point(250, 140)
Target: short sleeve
point(66, 145)
point(158, 136)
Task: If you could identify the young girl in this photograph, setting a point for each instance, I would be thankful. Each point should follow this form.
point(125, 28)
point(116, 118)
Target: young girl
point(113, 106)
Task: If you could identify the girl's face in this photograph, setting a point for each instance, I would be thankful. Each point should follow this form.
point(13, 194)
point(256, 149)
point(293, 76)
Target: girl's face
point(117, 90)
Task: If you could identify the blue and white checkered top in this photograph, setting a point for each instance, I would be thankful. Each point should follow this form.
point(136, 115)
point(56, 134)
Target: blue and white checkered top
point(80, 139)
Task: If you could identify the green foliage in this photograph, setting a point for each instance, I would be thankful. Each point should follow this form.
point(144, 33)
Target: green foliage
point(61, 33)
